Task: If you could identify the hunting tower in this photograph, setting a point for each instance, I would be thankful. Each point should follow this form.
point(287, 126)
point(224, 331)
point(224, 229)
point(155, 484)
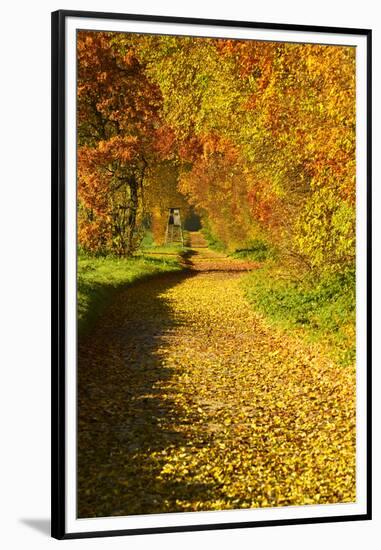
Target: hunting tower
point(174, 230)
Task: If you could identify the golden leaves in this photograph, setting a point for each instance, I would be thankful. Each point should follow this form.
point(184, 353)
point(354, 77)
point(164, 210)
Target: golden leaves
point(248, 128)
point(201, 406)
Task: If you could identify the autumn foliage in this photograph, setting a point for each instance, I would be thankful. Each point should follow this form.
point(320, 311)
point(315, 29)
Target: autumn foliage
point(259, 137)
point(201, 390)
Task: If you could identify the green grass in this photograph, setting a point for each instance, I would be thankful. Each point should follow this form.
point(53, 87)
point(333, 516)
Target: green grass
point(213, 242)
point(99, 278)
point(256, 250)
point(173, 248)
point(147, 241)
point(148, 245)
point(322, 311)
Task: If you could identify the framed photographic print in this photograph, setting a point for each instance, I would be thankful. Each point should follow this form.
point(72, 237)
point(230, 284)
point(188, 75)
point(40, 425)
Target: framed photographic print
point(211, 274)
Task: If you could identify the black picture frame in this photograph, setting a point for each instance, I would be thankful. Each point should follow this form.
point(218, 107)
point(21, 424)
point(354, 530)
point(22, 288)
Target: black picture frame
point(58, 319)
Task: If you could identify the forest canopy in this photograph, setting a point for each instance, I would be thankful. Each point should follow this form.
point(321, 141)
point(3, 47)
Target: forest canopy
point(257, 137)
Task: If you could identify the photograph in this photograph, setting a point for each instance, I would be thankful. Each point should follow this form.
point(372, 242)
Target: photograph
point(216, 344)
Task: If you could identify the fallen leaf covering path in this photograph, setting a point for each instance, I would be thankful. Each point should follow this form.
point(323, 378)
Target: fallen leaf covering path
point(189, 402)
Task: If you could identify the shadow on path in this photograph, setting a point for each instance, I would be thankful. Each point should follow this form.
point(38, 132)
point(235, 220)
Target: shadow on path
point(127, 423)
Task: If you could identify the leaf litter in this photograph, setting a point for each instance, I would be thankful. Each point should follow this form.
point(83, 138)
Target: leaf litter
point(188, 401)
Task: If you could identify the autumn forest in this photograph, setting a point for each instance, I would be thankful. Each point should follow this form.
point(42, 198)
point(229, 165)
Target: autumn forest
point(216, 370)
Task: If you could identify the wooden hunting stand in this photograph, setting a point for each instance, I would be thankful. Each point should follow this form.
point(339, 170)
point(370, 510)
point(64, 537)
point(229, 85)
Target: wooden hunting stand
point(174, 230)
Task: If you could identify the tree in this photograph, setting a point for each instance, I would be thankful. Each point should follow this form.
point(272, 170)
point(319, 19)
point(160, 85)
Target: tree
point(258, 136)
point(266, 132)
point(118, 117)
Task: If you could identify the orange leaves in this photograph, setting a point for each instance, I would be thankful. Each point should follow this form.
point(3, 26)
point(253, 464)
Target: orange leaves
point(129, 59)
point(117, 149)
point(118, 115)
point(164, 141)
point(114, 94)
point(262, 202)
point(215, 144)
point(94, 235)
point(190, 149)
point(302, 104)
point(248, 125)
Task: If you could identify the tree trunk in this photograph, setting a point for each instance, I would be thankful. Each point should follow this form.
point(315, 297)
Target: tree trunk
point(132, 219)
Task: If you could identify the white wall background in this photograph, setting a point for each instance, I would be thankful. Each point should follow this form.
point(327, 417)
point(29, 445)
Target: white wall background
point(25, 273)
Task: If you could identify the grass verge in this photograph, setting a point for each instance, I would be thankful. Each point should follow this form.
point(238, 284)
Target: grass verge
point(98, 278)
point(257, 251)
point(322, 311)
